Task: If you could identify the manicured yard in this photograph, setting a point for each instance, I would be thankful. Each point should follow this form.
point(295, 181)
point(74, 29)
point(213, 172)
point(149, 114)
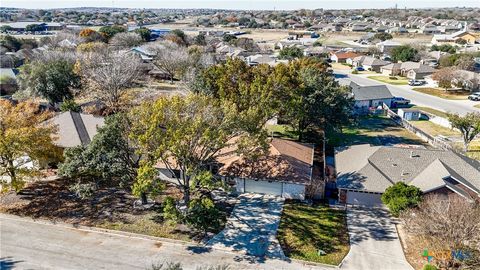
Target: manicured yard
point(434, 129)
point(431, 110)
point(282, 131)
point(441, 93)
point(378, 130)
point(386, 79)
point(307, 231)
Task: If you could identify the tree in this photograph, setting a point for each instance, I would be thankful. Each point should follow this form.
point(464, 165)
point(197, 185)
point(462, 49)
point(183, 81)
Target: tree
point(109, 158)
point(24, 138)
point(5, 28)
point(228, 38)
point(91, 47)
point(177, 36)
point(382, 36)
point(109, 31)
point(185, 134)
point(447, 223)
point(401, 197)
point(469, 126)
point(126, 40)
point(170, 58)
point(312, 97)
point(109, 74)
point(11, 43)
point(444, 48)
point(444, 77)
point(144, 33)
point(290, 53)
point(404, 53)
point(91, 35)
point(70, 105)
point(53, 79)
point(35, 28)
point(200, 40)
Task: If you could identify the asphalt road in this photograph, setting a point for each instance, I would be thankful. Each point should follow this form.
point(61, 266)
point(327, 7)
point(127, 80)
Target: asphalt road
point(374, 242)
point(25, 244)
point(420, 99)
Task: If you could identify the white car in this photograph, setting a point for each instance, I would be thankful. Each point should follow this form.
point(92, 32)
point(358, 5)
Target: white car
point(475, 96)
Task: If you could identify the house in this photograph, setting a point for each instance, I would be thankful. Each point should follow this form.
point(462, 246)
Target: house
point(285, 170)
point(47, 26)
point(257, 59)
point(364, 172)
point(467, 80)
point(367, 62)
point(75, 129)
point(453, 38)
point(144, 53)
point(367, 97)
point(412, 70)
point(341, 57)
point(387, 46)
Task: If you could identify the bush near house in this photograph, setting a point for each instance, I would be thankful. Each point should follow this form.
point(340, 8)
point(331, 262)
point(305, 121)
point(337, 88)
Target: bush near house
point(400, 197)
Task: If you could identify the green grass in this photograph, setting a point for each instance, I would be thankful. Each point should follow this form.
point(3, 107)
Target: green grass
point(386, 79)
point(282, 131)
point(452, 95)
point(431, 110)
point(377, 130)
point(304, 230)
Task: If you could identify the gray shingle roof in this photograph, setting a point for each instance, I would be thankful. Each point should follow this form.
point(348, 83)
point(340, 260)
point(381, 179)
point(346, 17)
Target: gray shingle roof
point(421, 167)
point(370, 92)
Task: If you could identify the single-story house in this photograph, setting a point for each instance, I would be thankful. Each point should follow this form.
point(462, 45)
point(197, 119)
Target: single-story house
point(364, 172)
point(341, 57)
point(367, 62)
point(47, 26)
point(257, 59)
point(464, 35)
point(367, 97)
point(418, 70)
point(387, 46)
point(75, 129)
point(285, 170)
point(468, 80)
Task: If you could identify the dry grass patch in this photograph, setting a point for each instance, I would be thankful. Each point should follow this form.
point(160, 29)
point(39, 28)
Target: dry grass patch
point(441, 93)
point(434, 129)
point(389, 80)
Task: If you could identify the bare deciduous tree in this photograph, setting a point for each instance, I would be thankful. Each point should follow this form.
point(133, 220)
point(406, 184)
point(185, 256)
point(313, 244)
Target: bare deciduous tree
point(109, 74)
point(170, 58)
point(126, 40)
point(447, 223)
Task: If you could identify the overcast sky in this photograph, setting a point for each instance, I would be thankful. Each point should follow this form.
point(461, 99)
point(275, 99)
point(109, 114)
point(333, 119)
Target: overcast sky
point(239, 4)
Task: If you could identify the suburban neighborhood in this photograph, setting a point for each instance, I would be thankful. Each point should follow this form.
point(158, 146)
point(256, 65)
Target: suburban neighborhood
point(218, 138)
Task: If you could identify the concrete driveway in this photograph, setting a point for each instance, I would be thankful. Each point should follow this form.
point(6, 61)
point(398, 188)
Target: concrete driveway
point(252, 227)
point(374, 242)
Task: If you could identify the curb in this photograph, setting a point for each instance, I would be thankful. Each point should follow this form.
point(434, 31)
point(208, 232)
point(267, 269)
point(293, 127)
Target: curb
point(316, 263)
point(98, 230)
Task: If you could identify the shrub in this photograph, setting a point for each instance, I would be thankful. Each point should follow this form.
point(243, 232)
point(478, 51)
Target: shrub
point(203, 215)
point(166, 266)
point(400, 197)
point(354, 71)
point(70, 105)
point(393, 78)
point(83, 191)
point(170, 211)
point(429, 267)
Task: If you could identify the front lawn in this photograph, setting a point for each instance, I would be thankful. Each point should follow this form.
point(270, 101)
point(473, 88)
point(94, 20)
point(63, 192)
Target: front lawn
point(387, 79)
point(375, 130)
point(431, 110)
point(434, 129)
point(477, 106)
point(282, 131)
point(441, 93)
point(307, 231)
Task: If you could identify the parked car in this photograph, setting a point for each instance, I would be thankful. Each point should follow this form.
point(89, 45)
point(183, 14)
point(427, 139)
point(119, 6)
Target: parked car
point(475, 96)
point(400, 101)
point(416, 83)
point(359, 69)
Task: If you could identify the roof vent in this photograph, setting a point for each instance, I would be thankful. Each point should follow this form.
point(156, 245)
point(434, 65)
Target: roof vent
point(404, 173)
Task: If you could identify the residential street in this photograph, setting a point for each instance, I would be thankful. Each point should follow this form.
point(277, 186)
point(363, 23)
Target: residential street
point(37, 245)
point(417, 98)
point(374, 242)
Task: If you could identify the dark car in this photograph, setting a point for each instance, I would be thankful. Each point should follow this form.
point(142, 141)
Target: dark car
point(359, 69)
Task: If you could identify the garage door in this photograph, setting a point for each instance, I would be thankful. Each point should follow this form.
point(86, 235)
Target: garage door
point(263, 187)
point(365, 199)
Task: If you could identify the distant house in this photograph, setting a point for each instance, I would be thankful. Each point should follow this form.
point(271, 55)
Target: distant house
point(370, 97)
point(341, 57)
point(367, 62)
point(254, 60)
point(144, 53)
point(387, 46)
point(468, 37)
point(467, 80)
point(46, 26)
point(75, 129)
point(411, 70)
point(286, 170)
point(364, 172)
